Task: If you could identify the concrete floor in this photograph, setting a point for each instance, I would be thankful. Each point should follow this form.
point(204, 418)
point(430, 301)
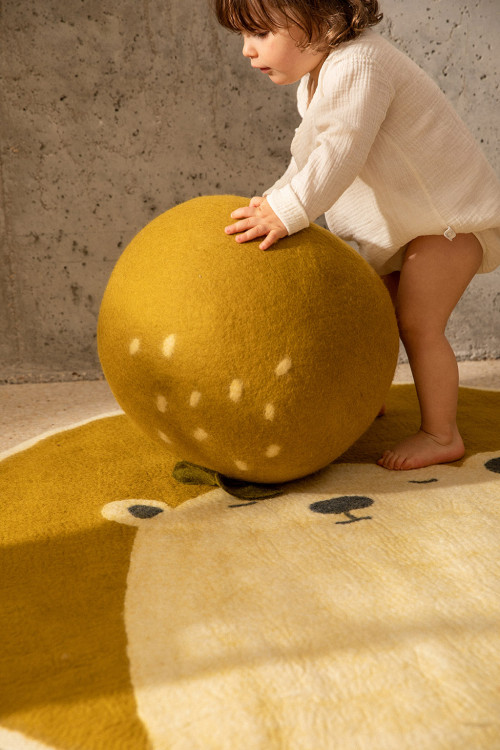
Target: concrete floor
point(31, 409)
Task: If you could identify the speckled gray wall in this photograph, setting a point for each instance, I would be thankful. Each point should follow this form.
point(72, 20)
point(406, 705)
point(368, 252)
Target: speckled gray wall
point(112, 112)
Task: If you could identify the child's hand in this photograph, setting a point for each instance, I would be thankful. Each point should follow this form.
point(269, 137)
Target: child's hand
point(258, 220)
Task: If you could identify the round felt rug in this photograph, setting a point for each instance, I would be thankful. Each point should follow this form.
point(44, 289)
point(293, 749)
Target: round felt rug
point(69, 676)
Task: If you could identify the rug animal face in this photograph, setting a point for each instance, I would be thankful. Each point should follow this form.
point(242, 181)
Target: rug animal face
point(362, 604)
point(343, 584)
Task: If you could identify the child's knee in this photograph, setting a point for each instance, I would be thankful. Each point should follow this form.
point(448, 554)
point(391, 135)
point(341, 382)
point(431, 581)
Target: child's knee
point(416, 323)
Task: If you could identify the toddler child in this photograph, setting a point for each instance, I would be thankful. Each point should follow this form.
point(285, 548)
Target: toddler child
point(383, 155)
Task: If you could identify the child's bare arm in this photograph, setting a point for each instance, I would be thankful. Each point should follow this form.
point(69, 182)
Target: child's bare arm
point(257, 220)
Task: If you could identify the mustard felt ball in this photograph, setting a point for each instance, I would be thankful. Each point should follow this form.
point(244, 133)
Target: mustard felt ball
point(262, 365)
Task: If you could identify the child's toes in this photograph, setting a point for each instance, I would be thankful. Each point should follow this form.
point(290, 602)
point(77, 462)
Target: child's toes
point(387, 460)
point(400, 463)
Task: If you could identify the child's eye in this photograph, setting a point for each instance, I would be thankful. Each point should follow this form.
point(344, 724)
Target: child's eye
point(254, 34)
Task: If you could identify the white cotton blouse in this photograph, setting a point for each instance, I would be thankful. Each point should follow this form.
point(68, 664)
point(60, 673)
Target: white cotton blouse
point(382, 153)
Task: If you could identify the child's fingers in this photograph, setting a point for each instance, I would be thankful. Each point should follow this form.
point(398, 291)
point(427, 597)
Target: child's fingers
point(241, 226)
point(256, 200)
point(243, 212)
point(271, 238)
point(252, 234)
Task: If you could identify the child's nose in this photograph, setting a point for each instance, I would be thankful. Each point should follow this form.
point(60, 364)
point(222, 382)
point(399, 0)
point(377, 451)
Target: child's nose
point(248, 48)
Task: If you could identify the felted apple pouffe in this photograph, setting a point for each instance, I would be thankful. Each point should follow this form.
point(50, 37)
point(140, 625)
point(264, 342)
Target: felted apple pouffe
point(263, 366)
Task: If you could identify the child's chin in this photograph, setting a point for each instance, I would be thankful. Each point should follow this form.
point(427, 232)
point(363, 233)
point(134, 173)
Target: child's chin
point(283, 80)
point(279, 79)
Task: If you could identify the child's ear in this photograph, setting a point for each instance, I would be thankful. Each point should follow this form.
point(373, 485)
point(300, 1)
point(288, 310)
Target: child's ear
point(135, 512)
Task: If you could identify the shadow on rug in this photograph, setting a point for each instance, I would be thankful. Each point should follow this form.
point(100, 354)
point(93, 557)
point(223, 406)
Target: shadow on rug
point(359, 609)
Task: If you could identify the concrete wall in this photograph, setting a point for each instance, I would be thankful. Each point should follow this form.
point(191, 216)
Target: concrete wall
point(112, 112)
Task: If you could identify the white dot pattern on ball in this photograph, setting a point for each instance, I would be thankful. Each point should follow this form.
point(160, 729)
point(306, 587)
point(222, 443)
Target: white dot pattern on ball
point(194, 399)
point(273, 450)
point(161, 404)
point(269, 412)
point(283, 367)
point(200, 434)
point(236, 390)
point(235, 394)
point(168, 345)
point(134, 346)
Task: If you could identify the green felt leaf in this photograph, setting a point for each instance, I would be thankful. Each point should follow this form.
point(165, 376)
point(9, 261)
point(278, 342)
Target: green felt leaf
point(189, 473)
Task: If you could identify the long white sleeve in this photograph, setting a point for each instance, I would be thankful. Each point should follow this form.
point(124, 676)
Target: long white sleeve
point(333, 141)
point(381, 152)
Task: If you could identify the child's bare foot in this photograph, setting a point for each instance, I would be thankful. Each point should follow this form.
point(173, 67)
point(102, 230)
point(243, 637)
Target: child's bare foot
point(422, 449)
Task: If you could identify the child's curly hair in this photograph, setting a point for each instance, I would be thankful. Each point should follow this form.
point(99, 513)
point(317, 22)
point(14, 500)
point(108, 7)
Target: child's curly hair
point(325, 23)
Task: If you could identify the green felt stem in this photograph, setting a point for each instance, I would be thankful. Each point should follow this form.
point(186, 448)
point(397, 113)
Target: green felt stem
point(189, 473)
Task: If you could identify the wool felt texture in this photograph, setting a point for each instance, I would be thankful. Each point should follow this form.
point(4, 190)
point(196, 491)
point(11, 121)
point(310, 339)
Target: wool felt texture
point(358, 610)
point(261, 366)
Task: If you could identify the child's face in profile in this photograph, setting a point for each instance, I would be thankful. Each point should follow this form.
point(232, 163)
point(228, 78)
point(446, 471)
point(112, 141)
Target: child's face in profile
point(277, 54)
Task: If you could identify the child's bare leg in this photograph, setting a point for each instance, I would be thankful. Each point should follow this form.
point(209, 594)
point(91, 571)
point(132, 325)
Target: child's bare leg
point(391, 282)
point(434, 276)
